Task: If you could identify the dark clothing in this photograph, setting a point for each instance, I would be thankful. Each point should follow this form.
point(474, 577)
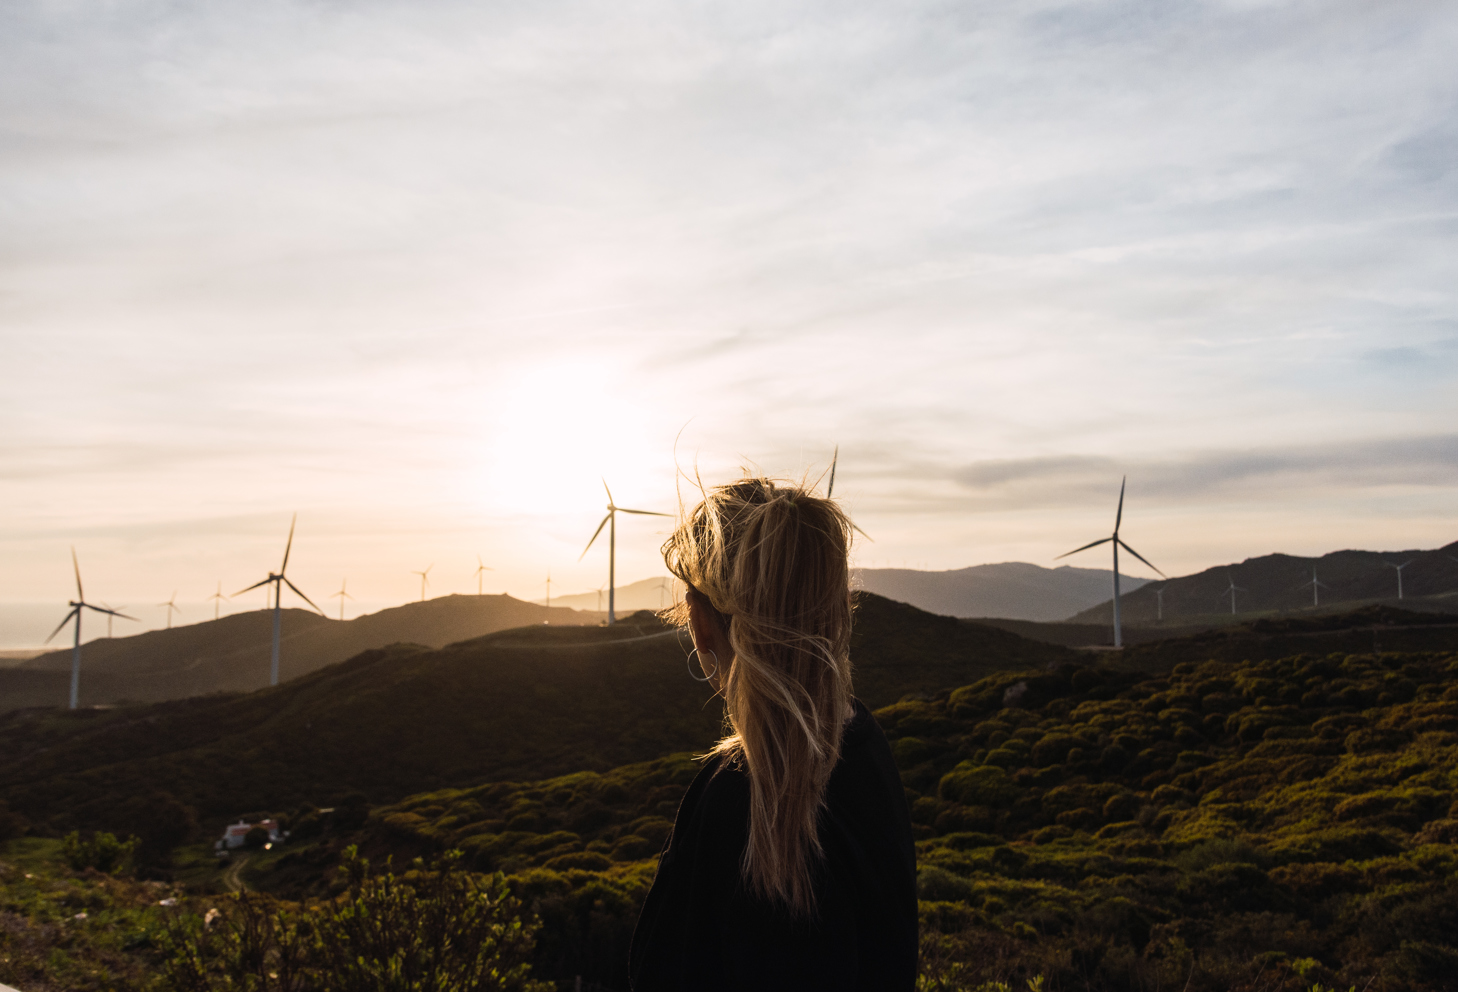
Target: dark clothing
point(701, 930)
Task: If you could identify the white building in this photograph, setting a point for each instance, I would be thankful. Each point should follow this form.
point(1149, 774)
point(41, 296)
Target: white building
point(235, 833)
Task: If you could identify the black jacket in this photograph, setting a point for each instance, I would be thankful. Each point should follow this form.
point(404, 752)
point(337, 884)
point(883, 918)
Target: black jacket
point(700, 930)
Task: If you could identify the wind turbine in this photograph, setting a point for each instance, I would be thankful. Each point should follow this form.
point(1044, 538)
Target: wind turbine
point(279, 581)
point(830, 489)
point(217, 599)
point(1159, 599)
point(111, 616)
point(77, 605)
point(424, 579)
point(611, 523)
point(1399, 573)
point(1232, 591)
point(549, 588)
point(481, 566)
point(171, 605)
point(1117, 542)
point(342, 596)
point(1316, 586)
point(599, 596)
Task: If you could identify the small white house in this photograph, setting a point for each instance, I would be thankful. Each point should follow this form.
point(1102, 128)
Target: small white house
point(235, 833)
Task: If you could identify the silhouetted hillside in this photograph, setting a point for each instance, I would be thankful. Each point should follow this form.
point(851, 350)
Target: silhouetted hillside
point(1014, 589)
point(1280, 582)
point(647, 594)
point(521, 703)
point(232, 654)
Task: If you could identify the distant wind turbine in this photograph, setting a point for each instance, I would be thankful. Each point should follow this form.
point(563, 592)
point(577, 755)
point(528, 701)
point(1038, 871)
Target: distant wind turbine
point(1117, 542)
point(1232, 591)
point(171, 605)
point(549, 589)
point(611, 523)
point(599, 596)
point(830, 489)
point(279, 581)
point(1316, 586)
point(111, 616)
point(1159, 599)
point(342, 596)
point(424, 579)
point(217, 599)
point(77, 605)
point(481, 566)
point(1399, 573)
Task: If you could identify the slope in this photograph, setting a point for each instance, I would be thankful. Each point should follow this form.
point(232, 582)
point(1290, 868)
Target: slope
point(523, 703)
point(1279, 583)
point(1015, 590)
point(232, 654)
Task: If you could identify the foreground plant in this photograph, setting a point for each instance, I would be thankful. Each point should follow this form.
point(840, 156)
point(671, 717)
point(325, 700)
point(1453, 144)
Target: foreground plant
point(435, 927)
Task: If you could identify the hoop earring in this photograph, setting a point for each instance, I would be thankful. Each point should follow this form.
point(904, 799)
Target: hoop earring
point(689, 660)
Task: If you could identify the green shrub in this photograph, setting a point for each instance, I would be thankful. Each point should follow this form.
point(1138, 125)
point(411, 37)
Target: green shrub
point(101, 851)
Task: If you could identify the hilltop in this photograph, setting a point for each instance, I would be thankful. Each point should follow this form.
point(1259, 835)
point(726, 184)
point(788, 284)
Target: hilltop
point(646, 594)
point(527, 702)
point(232, 654)
point(1013, 590)
point(1279, 583)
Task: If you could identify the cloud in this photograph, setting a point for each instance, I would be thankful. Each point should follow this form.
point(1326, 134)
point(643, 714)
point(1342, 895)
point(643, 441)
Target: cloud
point(1262, 473)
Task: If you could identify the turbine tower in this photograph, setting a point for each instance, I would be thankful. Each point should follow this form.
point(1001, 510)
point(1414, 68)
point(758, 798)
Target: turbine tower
point(111, 616)
point(171, 605)
point(424, 579)
point(481, 566)
point(341, 595)
point(279, 581)
point(549, 590)
point(217, 599)
point(1316, 586)
point(1117, 542)
point(77, 605)
point(1232, 591)
point(611, 523)
point(1159, 599)
point(1399, 573)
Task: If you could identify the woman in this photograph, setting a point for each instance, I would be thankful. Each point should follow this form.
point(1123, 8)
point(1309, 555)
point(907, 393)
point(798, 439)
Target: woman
point(791, 864)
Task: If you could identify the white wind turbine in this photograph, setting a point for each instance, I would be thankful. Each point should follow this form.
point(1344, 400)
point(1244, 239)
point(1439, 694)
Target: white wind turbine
point(1399, 573)
point(549, 587)
point(611, 523)
point(341, 595)
point(171, 605)
point(111, 615)
point(77, 605)
point(1316, 586)
point(424, 579)
point(279, 581)
point(1159, 600)
point(481, 566)
point(1232, 591)
point(830, 489)
point(1117, 542)
point(217, 599)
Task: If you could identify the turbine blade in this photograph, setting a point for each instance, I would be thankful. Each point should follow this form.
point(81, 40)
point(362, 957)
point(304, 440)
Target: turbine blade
point(834, 460)
point(594, 536)
point(1138, 555)
point(643, 513)
point(289, 546)
point(1094, 544)
point(609, 492)
point(77, 565)
point(1119, 517)
point(301, 595)
point(113, 612)
point(62, 624)
point(861, 532)
point(254, 586)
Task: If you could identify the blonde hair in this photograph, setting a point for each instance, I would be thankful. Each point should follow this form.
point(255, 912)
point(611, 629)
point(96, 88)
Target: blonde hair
point(772, 560)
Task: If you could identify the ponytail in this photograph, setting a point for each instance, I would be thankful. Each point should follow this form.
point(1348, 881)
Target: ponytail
point(773, 562)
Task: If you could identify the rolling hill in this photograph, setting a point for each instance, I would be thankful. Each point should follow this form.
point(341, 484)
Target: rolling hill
point(232, 654)
point(1278, 582)
point(1014, 590)
point(523, 703)
point(647, 594)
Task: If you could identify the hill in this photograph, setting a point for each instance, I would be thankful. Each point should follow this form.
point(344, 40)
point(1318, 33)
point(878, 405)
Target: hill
point(647, 594)
point(528, 702)
point(1282, 824)
point(1280, 583)
point(1014, 590)
point(232, 654)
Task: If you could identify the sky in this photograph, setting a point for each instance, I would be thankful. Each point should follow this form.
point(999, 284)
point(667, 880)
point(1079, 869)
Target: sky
point(425, 273)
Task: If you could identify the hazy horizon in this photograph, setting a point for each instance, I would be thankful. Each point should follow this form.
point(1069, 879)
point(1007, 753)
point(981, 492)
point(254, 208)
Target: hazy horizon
point(426, 273)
